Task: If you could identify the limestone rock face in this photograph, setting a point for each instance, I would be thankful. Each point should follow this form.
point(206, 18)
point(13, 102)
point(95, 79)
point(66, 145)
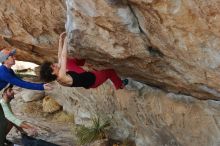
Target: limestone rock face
point(32, 27)
point(145, 115)
point(31, 95)
point(173, 45)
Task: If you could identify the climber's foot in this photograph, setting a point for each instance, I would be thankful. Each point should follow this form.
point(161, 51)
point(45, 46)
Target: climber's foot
point(124, 83)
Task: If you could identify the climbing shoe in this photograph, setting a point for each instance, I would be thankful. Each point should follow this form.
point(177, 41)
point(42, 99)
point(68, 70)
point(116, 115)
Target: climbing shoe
point(124, 83)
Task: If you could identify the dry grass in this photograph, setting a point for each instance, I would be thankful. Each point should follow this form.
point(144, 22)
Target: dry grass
point(63, 117)
point(33, 108)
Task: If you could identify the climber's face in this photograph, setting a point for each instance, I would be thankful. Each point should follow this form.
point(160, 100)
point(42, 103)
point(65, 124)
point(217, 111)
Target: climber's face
point(10, 60)
point(55, 68)
point(7, 57)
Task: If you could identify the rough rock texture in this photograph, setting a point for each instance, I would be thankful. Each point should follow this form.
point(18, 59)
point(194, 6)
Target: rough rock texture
point(55, 128)
point(173, 45)
point(32, 27)
point(30, 95)
point(169, 44)
point(146, 115)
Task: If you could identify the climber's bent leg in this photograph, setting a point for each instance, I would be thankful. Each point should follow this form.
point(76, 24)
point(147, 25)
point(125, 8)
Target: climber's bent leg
point(103, 75)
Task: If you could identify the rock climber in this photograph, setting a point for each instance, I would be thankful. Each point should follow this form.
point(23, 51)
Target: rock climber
point(69, 73)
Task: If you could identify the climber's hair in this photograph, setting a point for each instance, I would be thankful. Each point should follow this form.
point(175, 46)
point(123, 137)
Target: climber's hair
point(46, 72)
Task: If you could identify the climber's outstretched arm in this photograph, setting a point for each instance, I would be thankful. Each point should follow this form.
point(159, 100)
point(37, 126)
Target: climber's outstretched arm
point(61, 42)
point(63, 59)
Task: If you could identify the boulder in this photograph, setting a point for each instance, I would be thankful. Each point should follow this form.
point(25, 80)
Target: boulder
point(50, 105)
point(30, 95)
